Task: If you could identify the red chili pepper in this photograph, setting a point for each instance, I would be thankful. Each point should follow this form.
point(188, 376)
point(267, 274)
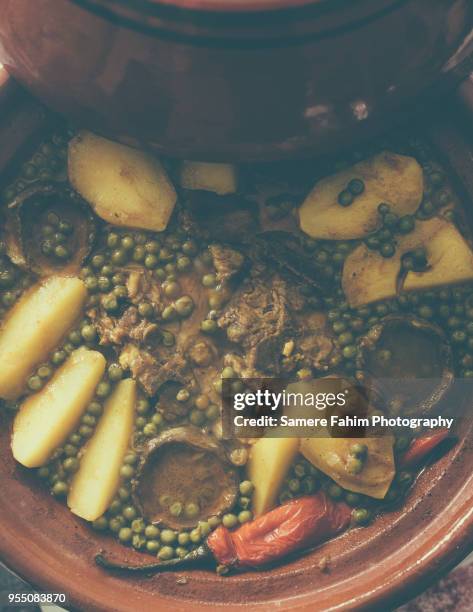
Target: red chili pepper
point(300, 523)
point(421, 447)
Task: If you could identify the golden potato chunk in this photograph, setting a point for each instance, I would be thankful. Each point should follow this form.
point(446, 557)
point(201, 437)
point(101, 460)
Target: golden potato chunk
point(123, 185)
point(369, 277)
point(219, 178)
point(330, 456)
point(388, 178)
point(93, 487)
point(48, 417)
point(34, 326)
point(268, 465)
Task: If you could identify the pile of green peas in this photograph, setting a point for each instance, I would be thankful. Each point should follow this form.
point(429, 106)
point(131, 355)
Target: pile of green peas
point(55, 232)
point(303, 479)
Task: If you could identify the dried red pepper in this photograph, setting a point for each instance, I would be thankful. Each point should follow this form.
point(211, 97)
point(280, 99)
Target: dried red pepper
point(298, 524)
point(421, 447)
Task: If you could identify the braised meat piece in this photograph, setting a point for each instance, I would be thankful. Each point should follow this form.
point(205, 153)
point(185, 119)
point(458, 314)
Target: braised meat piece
point(227, 261)
point(130, 326)
point(257, 318)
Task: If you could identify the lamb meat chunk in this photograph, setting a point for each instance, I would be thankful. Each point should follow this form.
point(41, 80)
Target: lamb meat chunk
point(227, 262)
point(142, 286)
point(143, 367)
point(152, 372)
point(257, 318)
point(130, 326)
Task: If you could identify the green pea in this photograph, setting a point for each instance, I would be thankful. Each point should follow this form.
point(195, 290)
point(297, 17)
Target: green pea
point(352, 499)
point(183, 538)
point(125, 534)
point(89, 419)
point(151, 261)
point(104, 283)
point(138, 541)
point(115, 372)
point(356, 187)
point(167, 338)
point(229, 520)
point(166, 553)
point(119, 257)
point(294, 485)
point(244, 502)
point(345, 198)
point(214, 521)
point(131, 458)
point(91, 283)
point(183, 263)
point(151, 531)
point(157, 419)
point(100, 524)
point(361, 516)
point(191, 510)
point(45, 371)
point(129, 513)
point(354, 465)
point(383, 209)
point(71, 464)
point(197, 417)
point(103, 389)
point(115, 524)
point(7, 278)
point(189, 247)
point(171, 289)
point(390, 220)
point(61, 252)
point(168, 536)
point(85, 431)
point(127, 243)
point(209, 326)
point(142, 406)
point(425, 312)
point(110, 303)
point(113, 240)
point(184, 306)
point(152, 546)
point(60, 488)
point(212, 412)
point(152, 247)
point(334, 491)
point(359, 449)
point(345, 338)
point(406, 224)
point(209, 280)
point(123, 494)
point(150, 429)
point(34, 383)
point(89, 333)
point(70, 450)
point(95, 408)
point(387, 249)
point(169, 312)
point(350, 351)
point(145, 309)
point(138, 525)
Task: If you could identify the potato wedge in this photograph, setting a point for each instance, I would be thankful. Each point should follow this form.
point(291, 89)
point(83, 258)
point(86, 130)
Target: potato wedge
point(329, 455)
point(268, 465)
point(48, 417)
point(449, 256)
point(97, 480)
point(368, 277)
point(34, 326)
point(219, 178)
point(123, 185)
point(388, 177)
